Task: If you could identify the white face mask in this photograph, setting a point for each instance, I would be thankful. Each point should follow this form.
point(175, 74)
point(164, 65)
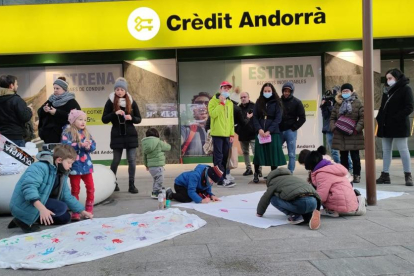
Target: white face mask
point(391, 82)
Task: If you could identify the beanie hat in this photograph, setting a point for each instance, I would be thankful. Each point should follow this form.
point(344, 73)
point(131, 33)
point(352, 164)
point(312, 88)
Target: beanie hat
point(289, 85)
point(121, 82)
point(62, 84)
point(215, 173)
point(225, 83)
point(74, 114)
point(347, 86)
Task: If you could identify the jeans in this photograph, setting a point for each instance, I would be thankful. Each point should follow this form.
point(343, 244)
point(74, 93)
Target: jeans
point(299, 206)
point(290, 136)
point(60, 210)
point(402, 146)
point(157, 174)
point(131, 156)
point(335, 153)
point(356, 161)
point(221, 147)
point(19, 143)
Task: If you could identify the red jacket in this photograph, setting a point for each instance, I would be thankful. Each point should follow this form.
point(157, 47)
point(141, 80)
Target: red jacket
point(334, 188)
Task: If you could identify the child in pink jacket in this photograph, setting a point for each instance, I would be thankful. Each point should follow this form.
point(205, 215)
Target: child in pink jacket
point(331, 183)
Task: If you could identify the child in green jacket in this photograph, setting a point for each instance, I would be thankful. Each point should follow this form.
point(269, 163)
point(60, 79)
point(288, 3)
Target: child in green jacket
point(154, 158)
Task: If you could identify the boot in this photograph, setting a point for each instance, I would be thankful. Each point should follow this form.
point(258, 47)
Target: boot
point(408, 179)
point(384, 178)
point(132, 189)
point(116, 187)
point(256, 178)
point(357, 178)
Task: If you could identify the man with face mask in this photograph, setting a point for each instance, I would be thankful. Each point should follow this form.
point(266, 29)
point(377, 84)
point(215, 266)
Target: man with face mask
point(220, 109)
point(293, 118)
point(14, 112)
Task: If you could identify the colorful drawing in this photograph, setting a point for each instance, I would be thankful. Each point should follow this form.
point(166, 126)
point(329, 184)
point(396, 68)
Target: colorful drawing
point(117, 241)
point(48, 251)
point(82, 233)
point(55, 240)
point(99, 238)
point(106, 226)
point(224, 210)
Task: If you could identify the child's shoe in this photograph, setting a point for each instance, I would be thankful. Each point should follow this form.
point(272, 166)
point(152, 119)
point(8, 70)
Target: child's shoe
point(295, 219)
point(154, 194)
point(75, 217)
point(329, 213)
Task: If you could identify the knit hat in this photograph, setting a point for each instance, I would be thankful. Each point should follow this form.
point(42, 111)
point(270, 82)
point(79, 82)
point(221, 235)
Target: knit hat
point(215, 173)
point(289, 85)
point(225, 83)
point(74, 114)
point(62, 84)
point(121, 82)
point(347, 86)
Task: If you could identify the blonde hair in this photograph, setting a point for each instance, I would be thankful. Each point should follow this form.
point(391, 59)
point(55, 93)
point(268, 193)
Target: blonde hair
point(74, 132)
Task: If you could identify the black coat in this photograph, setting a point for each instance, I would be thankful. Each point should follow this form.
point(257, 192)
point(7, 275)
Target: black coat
point(246, 132)
point(293, 114)
point(273, 119)
point(123, 136)
point(51, 126)
point(396, 107)
point(326, 109)
point(14, 113)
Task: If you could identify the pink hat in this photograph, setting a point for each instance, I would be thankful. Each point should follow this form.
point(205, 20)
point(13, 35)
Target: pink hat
point(225, 83)
point(74, 114)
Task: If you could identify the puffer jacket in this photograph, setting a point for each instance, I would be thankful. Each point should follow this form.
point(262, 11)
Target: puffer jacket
point(193, 182)
point(342, 141)
point(222, 117)
point(283, 184)
point(37, 183)
point(153, 149)
point(334, 187)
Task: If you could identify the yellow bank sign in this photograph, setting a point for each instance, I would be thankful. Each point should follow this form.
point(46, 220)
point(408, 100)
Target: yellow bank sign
point(161, 24)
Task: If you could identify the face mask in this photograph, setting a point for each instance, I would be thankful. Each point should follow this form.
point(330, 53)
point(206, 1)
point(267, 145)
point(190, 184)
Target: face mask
point(391, 82)
point(62, 169)
point(346, 95)
point(225, 94)
point(267, 95)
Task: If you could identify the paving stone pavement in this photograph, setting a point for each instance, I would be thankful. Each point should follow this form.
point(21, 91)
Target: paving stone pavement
point(379, 243)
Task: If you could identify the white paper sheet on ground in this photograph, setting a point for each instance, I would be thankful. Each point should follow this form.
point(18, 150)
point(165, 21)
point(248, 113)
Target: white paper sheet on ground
point(94, 239)
point(242, 208)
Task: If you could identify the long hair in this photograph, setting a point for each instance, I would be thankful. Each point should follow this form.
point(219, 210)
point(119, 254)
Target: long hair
point(76, 136)
point(261, 101)
point(128, 104)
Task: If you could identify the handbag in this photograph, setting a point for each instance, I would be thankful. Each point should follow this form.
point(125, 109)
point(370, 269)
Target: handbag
point(208, 145)
point(233, 160)
point(345, 125)
point(264, 140)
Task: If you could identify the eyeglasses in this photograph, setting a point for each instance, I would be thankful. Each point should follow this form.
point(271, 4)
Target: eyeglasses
point(202, 102)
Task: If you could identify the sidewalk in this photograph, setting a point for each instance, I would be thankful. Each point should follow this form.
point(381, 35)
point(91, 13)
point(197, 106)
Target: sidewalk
point(380, 243)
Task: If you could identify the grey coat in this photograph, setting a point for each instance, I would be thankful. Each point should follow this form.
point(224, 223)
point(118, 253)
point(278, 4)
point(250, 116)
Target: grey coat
point(342, 141)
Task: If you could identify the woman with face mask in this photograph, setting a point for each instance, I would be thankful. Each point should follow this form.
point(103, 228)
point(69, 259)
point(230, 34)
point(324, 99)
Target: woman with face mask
point(394, 123)
point(349, 108)
point(53, 114)
point(267, 115)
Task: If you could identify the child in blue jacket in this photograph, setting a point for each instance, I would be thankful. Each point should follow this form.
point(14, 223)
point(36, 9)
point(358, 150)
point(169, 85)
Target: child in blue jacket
point(196, 185)
point(42, 192)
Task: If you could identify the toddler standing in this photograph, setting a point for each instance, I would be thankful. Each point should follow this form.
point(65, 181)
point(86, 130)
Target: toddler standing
point(77, 136)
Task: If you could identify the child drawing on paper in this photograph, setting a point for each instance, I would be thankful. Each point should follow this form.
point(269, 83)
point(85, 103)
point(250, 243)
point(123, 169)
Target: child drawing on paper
point(42, 192)
point(77, 136)
point(196, 185)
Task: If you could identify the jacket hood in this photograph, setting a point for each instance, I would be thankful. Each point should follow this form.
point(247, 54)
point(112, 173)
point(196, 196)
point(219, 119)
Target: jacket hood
point(276, 173)
point(403, 81)
point(289, 85)
point(335, 169)
point(45, 156)
point(150, 143)
point(6, 94)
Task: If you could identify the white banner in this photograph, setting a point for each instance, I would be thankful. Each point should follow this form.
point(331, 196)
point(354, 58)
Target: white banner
point(305, 73)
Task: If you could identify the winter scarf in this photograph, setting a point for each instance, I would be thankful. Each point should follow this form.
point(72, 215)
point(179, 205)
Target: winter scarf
point(346, 106)
point(62, 99)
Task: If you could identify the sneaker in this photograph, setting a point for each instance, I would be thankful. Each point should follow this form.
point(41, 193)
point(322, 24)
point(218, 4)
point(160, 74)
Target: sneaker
point(315, 221)
point(168, 193)
point(75, 217)
point(295, 219)
point(226, 184)
point(357, 178)
point(154, 194)
point(329, 213)
point(362, 206)
point(248, 172)
point(229, 177)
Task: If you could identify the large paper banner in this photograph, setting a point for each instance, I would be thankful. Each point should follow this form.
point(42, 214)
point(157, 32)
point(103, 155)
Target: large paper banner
point(94, 239)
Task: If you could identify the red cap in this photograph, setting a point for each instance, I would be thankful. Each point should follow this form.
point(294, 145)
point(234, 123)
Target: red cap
point(225, 83)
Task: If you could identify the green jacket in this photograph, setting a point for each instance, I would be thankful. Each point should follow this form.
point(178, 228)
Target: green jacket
point(222, 120)
point(283, 184)
point(153, 149)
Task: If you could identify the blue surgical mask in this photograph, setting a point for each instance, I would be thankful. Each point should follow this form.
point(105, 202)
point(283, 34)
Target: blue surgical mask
point(346, 95)
point(267, 95)
point(225, 94)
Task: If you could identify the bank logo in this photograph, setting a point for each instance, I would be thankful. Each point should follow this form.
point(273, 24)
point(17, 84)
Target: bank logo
point(143, 23)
